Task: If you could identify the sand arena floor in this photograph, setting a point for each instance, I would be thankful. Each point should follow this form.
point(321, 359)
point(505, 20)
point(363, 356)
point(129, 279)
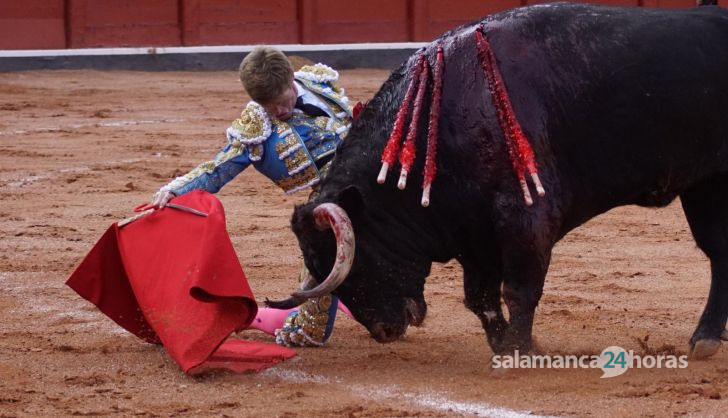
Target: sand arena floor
point(79, 149)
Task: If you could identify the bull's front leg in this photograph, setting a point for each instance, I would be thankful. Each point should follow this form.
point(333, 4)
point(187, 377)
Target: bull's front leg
point(482, 285)
point(524, 272)
point(524, 238)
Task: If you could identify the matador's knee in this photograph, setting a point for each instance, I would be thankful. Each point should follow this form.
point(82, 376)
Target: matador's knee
point(310, 325)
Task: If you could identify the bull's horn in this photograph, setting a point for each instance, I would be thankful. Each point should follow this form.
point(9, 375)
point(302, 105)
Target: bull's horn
point(307, 282)
point(289, 303)
point(330, 215)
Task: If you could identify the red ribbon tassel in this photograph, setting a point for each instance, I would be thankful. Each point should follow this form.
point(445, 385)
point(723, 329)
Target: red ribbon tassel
point(392, 148)
point(430, 166)
point(519, 149)
point(418, 78)
point(407, 156)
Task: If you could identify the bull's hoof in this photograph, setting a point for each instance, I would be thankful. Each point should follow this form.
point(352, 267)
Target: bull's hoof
point(510, 343)
point(704, 348)
point(724, 335)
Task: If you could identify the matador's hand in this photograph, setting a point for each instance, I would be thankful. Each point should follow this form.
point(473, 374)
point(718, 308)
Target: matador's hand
point(162, 197)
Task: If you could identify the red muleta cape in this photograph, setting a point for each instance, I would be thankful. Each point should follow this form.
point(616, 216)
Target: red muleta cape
point(173, 278)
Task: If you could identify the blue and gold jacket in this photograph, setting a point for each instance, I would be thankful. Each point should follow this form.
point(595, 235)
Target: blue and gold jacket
point(284, 151)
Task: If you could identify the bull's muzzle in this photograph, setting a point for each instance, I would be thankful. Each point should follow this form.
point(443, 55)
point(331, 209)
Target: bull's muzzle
point(413, 313)
point(387, 333)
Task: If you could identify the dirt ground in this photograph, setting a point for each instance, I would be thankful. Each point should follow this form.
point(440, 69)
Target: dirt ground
point(79, 149)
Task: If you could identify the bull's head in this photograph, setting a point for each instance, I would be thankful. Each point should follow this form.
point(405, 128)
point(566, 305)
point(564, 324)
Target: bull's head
point(380, 280)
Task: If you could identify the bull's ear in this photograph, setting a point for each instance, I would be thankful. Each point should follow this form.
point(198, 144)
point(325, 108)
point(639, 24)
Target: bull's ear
point(302, 219)
point(351, 200)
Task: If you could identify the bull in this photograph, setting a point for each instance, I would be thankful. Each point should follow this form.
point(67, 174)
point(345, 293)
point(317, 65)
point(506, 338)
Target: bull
point(621, 106)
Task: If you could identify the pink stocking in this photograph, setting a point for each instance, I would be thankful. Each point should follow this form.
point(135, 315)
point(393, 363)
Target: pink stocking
point(345, 310)
point(269, 320)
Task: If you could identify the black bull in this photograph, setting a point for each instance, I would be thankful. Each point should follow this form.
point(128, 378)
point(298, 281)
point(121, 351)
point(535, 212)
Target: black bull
point(621, 106)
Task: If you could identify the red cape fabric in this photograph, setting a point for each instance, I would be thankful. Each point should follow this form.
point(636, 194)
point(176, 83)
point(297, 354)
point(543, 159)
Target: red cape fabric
point(172, 277)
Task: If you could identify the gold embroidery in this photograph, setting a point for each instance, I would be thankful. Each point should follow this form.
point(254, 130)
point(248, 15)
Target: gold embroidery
point(336, 108)
point(313, 316)
point(298, 179)
point(321, 122)
point(250, 124)
point(289, 142)
point(282, 127)
point(325, 73)
point(232, 152)
point(297, 159)
point(256, 152)
point(339, 124)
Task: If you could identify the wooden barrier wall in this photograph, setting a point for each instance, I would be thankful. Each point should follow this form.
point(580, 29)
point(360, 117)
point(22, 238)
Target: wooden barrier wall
point(53, 24)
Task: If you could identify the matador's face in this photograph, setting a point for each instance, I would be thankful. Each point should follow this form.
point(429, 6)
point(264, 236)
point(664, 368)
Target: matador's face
point(281, 108)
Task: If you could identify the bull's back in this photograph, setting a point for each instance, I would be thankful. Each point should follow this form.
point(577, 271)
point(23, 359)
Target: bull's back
point(651, 121)
point(623, 105)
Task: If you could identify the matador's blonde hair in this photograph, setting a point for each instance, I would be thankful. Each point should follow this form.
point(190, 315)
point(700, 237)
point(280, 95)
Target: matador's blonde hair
point(265, 73)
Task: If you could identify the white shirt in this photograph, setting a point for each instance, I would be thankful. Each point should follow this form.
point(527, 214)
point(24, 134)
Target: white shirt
point(311, 98)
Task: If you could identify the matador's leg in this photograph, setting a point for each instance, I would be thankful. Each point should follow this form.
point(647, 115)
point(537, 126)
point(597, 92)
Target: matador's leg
point(313, 322)
point(310, 325)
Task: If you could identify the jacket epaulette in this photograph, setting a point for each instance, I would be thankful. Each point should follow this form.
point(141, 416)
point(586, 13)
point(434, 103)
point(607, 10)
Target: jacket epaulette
point(322, 79)
point(251, 129)
point(317, 73)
